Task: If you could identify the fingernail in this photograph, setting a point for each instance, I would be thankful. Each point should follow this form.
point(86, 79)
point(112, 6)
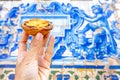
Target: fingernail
point(38, 36)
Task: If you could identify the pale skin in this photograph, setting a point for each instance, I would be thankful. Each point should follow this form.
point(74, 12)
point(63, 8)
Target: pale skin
point(34, 64)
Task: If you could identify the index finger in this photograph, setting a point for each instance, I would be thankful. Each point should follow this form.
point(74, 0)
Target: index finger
point(46, 39)
point(23, 41)
point(49, 50)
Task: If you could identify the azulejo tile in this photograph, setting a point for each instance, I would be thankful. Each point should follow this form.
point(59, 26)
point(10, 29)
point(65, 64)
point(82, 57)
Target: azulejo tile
point(70, 33)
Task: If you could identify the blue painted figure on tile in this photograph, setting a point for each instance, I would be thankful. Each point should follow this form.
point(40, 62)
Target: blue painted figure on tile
point(12, 14)
point(28, 8)
point(5, 39)
point(99, 25)
point(74, 39)
point(115, 29)
point(70, 39)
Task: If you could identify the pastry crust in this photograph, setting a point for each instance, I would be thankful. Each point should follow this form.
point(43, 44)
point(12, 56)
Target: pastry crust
point(35, 25)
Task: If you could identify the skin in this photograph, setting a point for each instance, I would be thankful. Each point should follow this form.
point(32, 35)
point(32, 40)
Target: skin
point(34, 64)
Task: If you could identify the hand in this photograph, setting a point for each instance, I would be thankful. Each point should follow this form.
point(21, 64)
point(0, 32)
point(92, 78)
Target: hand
point(34, 64)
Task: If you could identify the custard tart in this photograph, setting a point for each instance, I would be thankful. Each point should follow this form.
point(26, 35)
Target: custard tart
point(35, 25)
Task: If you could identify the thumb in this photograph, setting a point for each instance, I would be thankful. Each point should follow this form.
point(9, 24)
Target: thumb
point(36, 44)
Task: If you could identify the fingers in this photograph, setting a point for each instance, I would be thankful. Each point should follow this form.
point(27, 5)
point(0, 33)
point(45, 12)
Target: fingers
point(23, 41)
point(46, 39)
point(49, 50)
point(22, 47)
point(36, 44)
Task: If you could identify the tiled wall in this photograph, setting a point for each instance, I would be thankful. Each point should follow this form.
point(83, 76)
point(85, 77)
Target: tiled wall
point(82, 55)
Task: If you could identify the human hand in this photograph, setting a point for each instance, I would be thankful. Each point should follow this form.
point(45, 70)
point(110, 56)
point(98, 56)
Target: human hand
point(34, 64)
